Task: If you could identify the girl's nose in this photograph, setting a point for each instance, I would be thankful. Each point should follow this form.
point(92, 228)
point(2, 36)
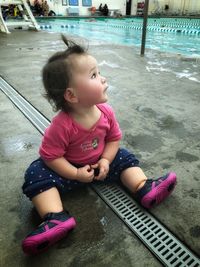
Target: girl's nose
point(103, 79)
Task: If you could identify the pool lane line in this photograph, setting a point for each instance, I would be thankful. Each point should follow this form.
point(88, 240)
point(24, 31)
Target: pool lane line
point(167, 248)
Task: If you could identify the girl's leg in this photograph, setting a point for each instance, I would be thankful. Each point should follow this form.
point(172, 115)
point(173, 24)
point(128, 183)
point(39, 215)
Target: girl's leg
point(42, 186)
point(48, 201)
point(56, 222)
point(133, 178)
point(149, 192)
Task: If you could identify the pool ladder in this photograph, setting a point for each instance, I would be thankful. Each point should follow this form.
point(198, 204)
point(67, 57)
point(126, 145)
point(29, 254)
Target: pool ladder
point(28, 18)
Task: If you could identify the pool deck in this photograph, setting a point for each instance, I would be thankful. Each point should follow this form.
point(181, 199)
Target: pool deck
point(156, 99)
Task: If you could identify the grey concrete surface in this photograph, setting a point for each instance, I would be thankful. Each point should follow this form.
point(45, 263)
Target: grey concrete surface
point(156, 99)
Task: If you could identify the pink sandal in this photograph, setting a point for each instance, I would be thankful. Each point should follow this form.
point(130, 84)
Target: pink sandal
point(155, 191)
point(55, 227)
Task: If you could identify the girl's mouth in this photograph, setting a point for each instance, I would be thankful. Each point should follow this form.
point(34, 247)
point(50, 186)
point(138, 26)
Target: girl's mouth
point(105, 89)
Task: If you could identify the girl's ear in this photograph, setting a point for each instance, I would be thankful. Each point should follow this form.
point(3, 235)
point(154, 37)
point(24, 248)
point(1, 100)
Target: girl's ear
point(70, 95)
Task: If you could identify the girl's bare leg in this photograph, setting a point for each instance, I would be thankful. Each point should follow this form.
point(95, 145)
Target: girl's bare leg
point(133, 178)
point(48, 201)
point(148, 192)
point(57, 223)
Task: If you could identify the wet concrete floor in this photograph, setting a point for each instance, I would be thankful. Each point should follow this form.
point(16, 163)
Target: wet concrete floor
point(156, 99)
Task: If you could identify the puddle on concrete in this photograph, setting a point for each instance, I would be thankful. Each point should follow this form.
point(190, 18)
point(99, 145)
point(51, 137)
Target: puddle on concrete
point(143, 142)
point(174, 126)
point(165, 122)
point(27, 48)
point(91, 219)
point(166, 166)
point(113, 53)
point(171, 65)
point(147, 112)
point(195, 231)
point(187, 75)
point(183, 156)
point(196, 178)
point(124, 124)
point(109, 64)
point(13, 145)
point(168, 122)
point(194, 193)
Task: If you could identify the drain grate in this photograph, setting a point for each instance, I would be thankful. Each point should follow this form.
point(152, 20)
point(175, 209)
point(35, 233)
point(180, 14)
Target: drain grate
point(166, 247)
point(32, 114)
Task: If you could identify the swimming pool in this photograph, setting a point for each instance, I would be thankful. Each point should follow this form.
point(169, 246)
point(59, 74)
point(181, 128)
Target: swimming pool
point(176, 35)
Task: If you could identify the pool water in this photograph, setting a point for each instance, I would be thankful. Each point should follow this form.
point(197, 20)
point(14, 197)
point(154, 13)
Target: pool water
point(180, 36)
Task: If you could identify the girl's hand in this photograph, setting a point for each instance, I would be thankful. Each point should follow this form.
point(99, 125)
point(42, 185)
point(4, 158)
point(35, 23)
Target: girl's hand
point(85, 174)
point(103, 166)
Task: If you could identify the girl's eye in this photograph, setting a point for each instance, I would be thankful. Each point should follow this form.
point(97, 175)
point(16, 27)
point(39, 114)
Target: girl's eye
point(93, 75)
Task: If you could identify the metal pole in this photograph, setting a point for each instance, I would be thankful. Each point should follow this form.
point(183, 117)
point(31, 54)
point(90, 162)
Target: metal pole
point(146, 7)
point(183, 13)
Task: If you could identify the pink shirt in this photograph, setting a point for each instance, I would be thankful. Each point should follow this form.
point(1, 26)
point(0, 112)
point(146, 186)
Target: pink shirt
point(66, 138)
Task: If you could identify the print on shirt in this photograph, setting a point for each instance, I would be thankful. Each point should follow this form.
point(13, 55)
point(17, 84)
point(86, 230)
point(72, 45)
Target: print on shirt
point(95, 143)
point(90, 145)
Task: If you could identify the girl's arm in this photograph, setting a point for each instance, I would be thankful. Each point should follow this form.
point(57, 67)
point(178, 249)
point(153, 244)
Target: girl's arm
point(110, 151)
point(107, 157)
point(62, 167)
point(65, 169)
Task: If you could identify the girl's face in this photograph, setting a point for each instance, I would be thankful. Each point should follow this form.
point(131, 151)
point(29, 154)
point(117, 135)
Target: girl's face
point(89, 86)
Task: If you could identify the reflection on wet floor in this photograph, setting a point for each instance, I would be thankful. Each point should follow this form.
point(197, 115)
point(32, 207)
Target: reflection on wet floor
point(12, 145)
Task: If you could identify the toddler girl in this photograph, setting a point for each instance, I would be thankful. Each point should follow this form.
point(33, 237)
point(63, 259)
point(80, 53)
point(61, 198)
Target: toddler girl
point(80, 146)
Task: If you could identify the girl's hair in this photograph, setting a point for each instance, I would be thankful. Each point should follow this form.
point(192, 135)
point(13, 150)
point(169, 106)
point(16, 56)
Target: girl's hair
point(57, 74)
